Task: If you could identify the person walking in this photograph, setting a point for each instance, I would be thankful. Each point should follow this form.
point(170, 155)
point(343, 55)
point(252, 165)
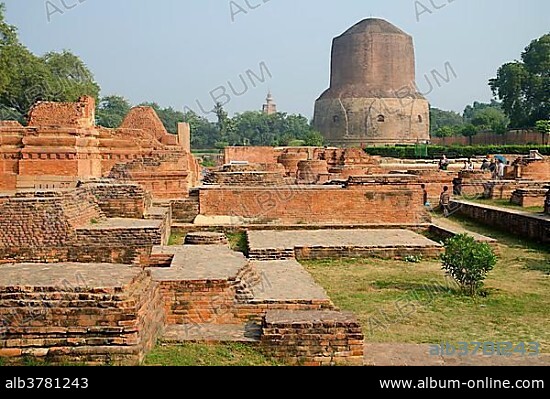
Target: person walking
point(445, 201)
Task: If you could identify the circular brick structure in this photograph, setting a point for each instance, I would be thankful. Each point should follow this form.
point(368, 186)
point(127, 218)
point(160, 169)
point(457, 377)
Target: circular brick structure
point(310, 171)
point(291, 160)
point(206, 238)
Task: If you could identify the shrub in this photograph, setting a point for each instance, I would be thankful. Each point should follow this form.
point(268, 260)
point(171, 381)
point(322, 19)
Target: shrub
point(436, 152)
point(468, 262)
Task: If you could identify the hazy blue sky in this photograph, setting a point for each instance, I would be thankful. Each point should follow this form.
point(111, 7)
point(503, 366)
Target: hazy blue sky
point(177, 52)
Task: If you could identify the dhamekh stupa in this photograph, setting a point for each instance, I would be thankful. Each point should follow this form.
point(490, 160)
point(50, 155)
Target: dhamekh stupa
point(373, 98)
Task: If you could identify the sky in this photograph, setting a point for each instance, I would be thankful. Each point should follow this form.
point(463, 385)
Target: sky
point(189, 53)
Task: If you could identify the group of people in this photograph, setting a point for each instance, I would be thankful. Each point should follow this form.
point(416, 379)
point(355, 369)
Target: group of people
point(496, 166)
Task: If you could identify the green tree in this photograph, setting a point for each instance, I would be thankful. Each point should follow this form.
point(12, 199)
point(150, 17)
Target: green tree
point(112, 110)
point(523, 85)
point(491, 119)
point(26, 78)
point(204, 134)
point(314, 139)
point(440, 118)
point(446, 131)
point(543, 126)
point(468, 262)
point(469, 130)
point(71, 78)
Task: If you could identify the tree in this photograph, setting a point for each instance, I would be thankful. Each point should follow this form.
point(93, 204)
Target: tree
point(26, 78)
point(314, 139)
point(469, 130)
point(71, 78)
point(440, 118)
point(204, 134)
point(112, 110)
point(468, 262)
point(446, 131)
point(491, 119)
point(543, 126)
point(523, 86)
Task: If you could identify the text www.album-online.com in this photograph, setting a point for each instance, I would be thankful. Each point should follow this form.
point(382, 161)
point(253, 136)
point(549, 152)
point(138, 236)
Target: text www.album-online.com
point(486, 383)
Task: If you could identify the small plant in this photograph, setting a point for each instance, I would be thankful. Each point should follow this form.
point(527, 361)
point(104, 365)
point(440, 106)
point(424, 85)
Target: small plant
point(413, 259)
point(468, 262)
point(94, 221)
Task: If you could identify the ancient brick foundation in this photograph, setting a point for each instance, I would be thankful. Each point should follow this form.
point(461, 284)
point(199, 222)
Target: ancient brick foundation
point(523, 224)
point(313, 338)
point(54, 314)
point(529, 198)
point(120, 200)
point(69, 226)
point(62, 145)
point(369, 203)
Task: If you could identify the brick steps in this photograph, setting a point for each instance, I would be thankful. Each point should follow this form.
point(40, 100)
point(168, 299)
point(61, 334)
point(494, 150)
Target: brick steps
point(212, 333)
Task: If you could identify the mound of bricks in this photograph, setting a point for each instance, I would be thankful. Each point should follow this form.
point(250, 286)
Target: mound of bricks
point(78, 313)
point(206, 238)
point(313, 338)
point(528, 198)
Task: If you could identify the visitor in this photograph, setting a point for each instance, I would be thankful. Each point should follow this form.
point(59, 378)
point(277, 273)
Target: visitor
point(470, 164)
point(485, 166)
point(425, 200)
point(500, 170)
point(445, 201)
point(493, 169)
point(443, 163)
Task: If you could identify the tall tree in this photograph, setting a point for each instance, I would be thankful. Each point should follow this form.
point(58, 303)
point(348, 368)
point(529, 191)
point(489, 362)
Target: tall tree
point(112, 110)
point(440, 118)
point(71, 78)
point(26, 78)
point(524, 86)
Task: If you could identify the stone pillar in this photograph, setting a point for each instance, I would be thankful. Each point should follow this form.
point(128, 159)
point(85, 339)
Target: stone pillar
point(184, 136)
point(547, 203)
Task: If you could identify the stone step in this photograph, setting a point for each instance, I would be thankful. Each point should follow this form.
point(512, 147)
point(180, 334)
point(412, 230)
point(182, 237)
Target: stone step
point(212, 333)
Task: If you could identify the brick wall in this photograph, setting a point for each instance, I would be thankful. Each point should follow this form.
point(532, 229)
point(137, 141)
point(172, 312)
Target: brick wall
point(313, 338)
point(118, 200)
point(251, 154)
point(529, 226)
point(323, 204)
point(80, 114)
point(59, 227)
point(201, 301)
point(488, 138)
point(69, 322)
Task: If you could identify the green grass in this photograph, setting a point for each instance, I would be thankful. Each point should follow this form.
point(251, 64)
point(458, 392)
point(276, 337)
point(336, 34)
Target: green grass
point(399, 302)
point(176, 239)
point(507, 204)
point(238, 241)
point(208, 355)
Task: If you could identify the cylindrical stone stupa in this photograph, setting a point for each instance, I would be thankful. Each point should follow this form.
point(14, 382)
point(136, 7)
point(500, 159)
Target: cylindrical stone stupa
point(373, 98)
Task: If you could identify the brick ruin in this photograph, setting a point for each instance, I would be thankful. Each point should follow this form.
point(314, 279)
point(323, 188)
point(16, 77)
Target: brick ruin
point(86, 214)
point(62, 145)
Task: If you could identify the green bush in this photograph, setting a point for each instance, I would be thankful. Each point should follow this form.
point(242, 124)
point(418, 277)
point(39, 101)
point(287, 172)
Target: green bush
point(468, 262)
point(436, 152)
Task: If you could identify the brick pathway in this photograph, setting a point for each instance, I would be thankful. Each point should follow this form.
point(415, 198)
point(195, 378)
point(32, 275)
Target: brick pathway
point(215, 262)
point(212, 333)
point(419, 355)
point(283, 281)
point(261, 240)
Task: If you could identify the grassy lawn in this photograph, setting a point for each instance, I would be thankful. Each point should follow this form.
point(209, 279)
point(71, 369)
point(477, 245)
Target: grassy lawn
point(507, 204)
point(414, 303)
point(208, 355)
